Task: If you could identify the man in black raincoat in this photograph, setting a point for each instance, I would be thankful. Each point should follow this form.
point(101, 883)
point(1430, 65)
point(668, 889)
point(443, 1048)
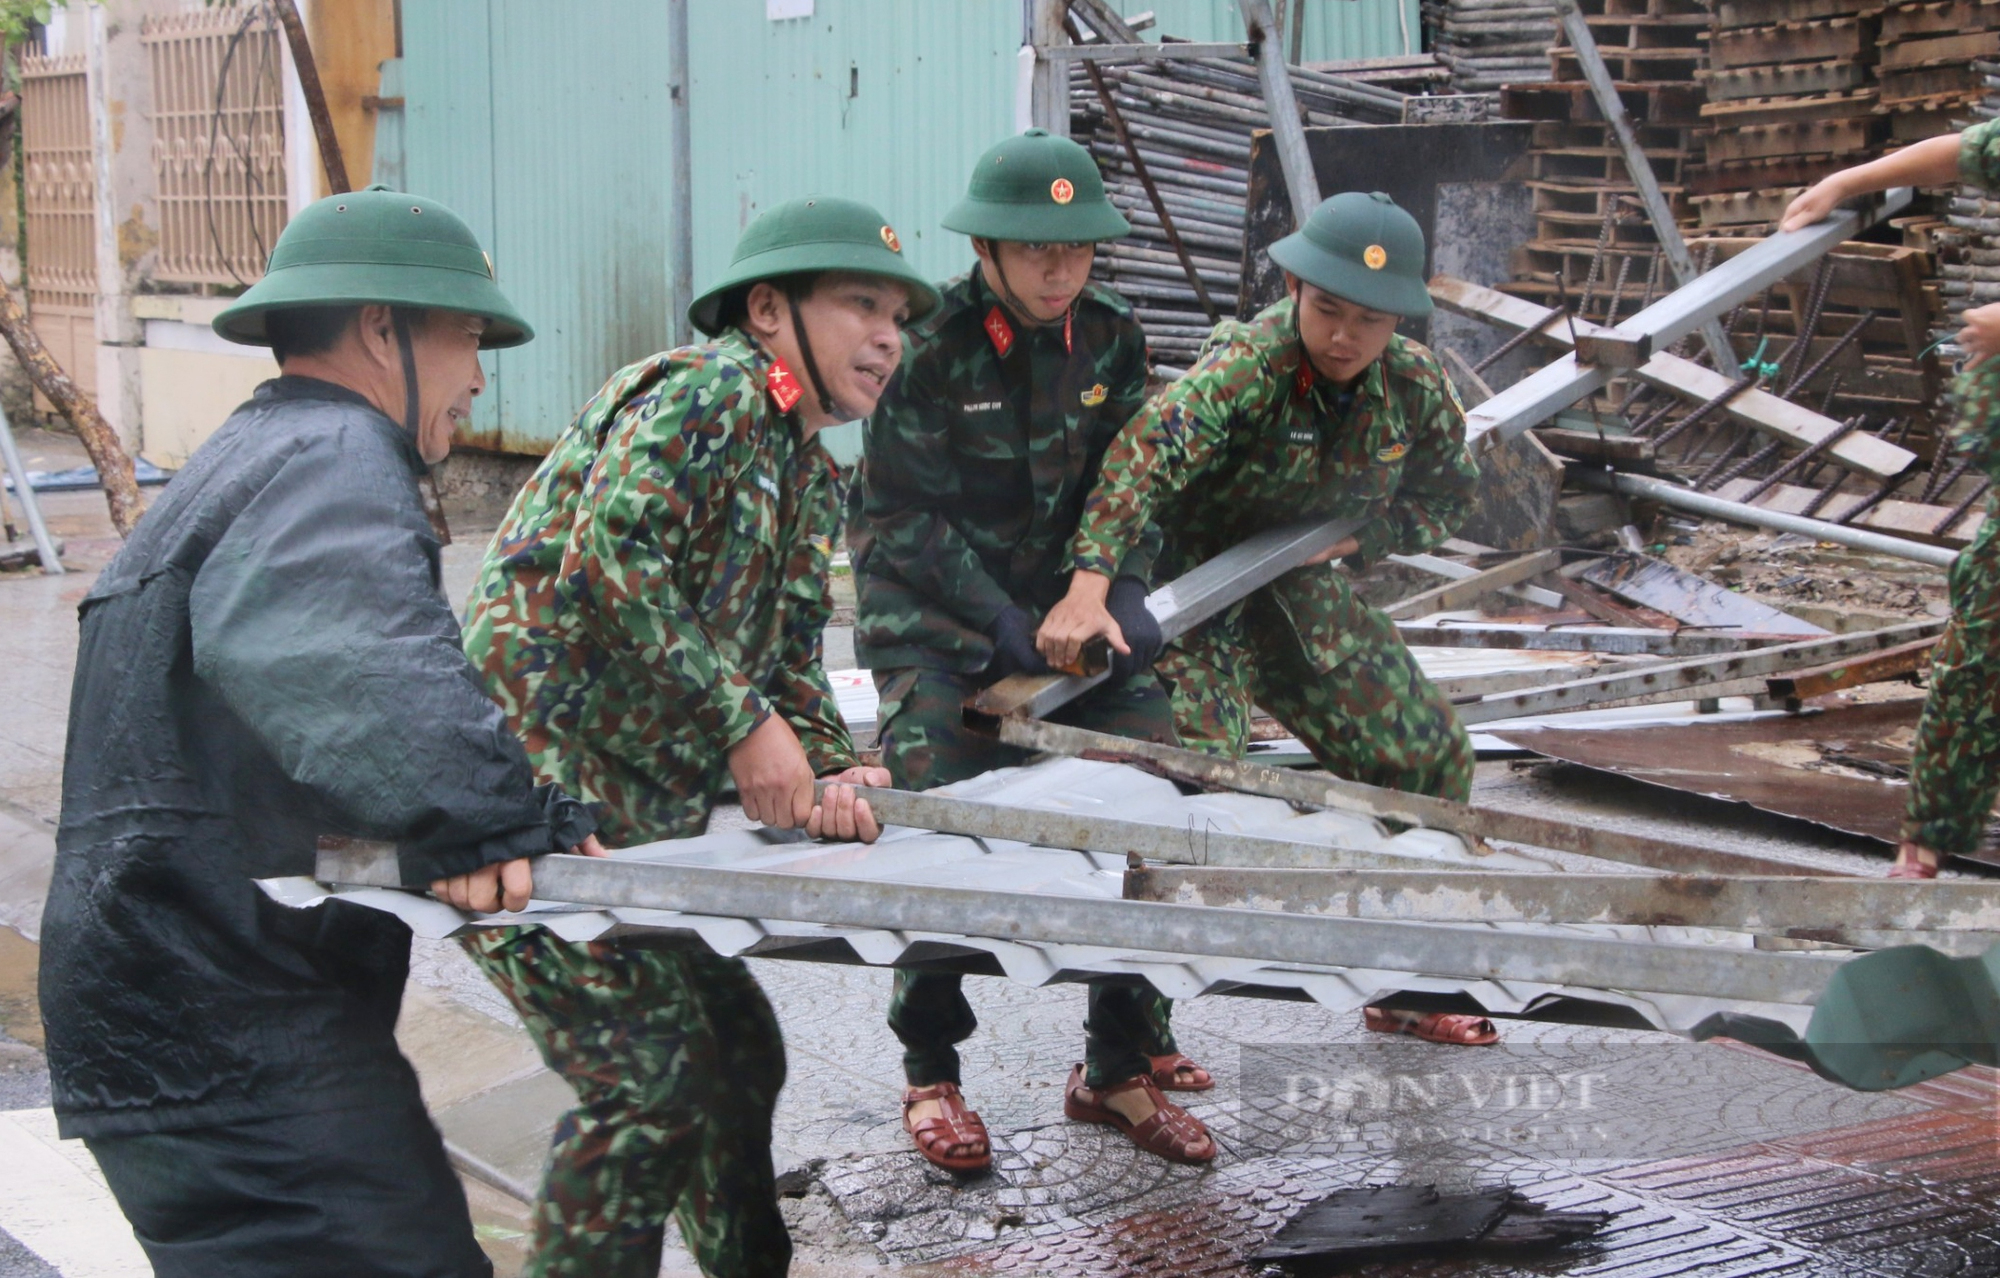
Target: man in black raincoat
point(268, 660)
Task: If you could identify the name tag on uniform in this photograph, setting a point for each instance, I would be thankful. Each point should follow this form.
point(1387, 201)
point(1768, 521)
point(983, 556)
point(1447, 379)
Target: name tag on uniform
point(768, 484)
point(1304, 437)
point(983, 406)
point(1393, 453)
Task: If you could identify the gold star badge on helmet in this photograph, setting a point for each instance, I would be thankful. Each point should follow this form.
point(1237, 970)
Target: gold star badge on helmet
point(1061, 191)
point(1375, 257)
point(890, 241)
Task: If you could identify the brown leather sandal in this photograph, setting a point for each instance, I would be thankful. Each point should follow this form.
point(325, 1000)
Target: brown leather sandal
point(957, 1128)
point(1169, 1131)
point(1452, 1028)
point(1167, 1073)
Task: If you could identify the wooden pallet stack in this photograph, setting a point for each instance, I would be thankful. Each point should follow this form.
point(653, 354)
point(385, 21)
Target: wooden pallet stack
point(1593, 245)
point(1488, 43)
point(1927, 74)
point(1791, 98)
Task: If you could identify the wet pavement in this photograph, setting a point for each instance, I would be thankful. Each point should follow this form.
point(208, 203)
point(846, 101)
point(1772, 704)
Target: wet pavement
point(1713, 1159)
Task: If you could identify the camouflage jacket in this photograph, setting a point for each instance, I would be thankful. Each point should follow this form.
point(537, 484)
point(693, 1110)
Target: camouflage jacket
point(977, 463)
point(1975, 424)
point(1250, 439)
point(661, 585)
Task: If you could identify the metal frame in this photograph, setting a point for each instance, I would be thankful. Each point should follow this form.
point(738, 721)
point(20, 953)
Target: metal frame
point(628, 881)
point(24, 494)
point(1179, 606)
point(1547, 391)
point(1085, 833)
point(1620, 641)
point(1684, 680)
point(1668, 232)
point(1783, 420)
point(1288, 130)
point(1322, 790)
point(1822, 909)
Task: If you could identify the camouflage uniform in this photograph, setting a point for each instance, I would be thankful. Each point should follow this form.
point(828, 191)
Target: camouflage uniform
point(658, 588)
point(1955, 772)
point(978, 461)
point(1247, 440)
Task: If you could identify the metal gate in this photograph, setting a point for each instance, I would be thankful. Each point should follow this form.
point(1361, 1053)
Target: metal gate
point(61, 197)
point(218, 141)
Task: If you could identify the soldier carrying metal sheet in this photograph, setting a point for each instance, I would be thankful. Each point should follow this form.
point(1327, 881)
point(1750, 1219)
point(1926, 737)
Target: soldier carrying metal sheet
point(649, 616)
point(1955, 766)
point(1314, 408)
point(978, 462)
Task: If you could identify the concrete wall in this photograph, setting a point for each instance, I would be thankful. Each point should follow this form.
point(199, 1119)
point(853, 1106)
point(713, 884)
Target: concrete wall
point(190, 380)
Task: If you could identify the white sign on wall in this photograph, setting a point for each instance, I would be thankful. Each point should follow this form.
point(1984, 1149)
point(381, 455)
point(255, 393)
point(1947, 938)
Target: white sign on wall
point(779, 10)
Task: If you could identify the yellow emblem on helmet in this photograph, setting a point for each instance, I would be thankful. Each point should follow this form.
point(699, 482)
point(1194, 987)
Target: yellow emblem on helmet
point(1095, 395)
point(1061, 191)
point(1375, 257)
point(889, 239)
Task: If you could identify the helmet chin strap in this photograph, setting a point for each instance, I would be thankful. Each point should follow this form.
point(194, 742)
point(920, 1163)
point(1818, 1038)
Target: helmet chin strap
point(401, 320)
point(826, 403)
point(1007, 293)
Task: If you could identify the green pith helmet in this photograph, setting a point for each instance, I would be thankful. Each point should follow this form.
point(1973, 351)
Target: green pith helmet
point(1362, 246)
point(821, 233)
point(376, 246)
point(1037, 188)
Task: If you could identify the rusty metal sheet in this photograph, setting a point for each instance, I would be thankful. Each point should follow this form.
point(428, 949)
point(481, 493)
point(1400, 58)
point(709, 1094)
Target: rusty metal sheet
point(1690, 599)
point(1843, 768)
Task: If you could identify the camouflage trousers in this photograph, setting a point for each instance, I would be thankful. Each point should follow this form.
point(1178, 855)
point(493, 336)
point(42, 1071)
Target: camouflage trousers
point(1955, 774)
point(676, 1061)
point(925, 744)
point(1374, 718)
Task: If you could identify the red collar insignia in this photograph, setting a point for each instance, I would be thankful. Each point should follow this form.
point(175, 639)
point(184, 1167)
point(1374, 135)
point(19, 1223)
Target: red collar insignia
point(1069, 317)
point(1302, 382)
point(784, 388)
point(999, 331)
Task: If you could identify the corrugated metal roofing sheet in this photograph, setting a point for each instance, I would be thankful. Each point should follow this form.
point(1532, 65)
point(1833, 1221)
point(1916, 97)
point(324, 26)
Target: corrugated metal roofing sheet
point(1076, 785)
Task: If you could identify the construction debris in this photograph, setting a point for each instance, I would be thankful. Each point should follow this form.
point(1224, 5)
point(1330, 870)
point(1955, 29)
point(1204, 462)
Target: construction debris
point(1395, 1221)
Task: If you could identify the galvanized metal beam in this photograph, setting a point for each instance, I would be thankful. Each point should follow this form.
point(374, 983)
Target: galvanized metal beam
point(1288, 129)
point(1540, 395)
point(1821, 909)
point(1665, 229)
point(630, 882)
point(1179, 606)
point(1739, 513)
point(1321, 790)
point(1084, 833)
point(1611, 640)
point(1697, 677)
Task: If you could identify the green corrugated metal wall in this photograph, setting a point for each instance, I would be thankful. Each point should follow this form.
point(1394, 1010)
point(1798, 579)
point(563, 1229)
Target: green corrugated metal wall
point(546, 126)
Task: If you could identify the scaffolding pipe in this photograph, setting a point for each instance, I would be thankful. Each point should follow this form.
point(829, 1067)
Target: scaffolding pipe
point(1736, 512)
